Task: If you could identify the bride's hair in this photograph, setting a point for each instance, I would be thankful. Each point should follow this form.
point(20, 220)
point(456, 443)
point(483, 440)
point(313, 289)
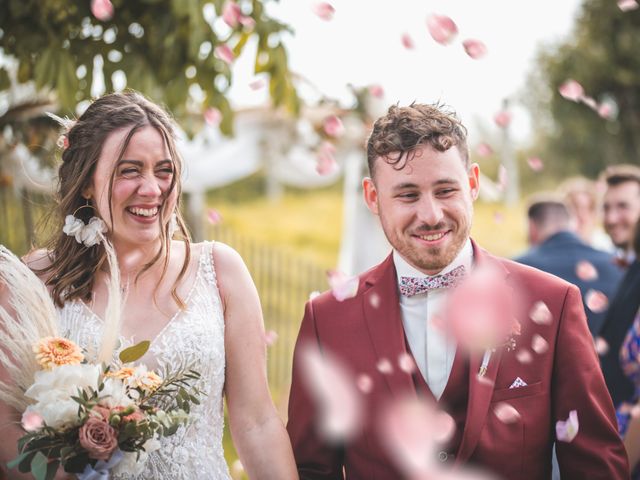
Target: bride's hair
point(71, 273)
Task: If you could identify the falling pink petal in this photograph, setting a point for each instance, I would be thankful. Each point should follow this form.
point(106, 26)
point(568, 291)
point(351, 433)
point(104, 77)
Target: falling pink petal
point(474, 48)
point(627, 5)
point(374, 300)
point(535, 164)
point(484, 150)
point(586, 271)
point(524, 356)
point(31, 421)
point(596, 301)
point(498, 217)
point(503, 177)
point(257, 84)
point(441, 28)
point(590, 102)
point(571, 90)
point(502, 118)
point(601, 346)
point(214, 216)
point(480, 311)
point(364, 383)
point(567, 430)
point(333, 126)
point(231, 13)
point(326, 162)
point(608, 109)
point(384, 366)
point(539, 344)
point(376, 91)
point(407, 41)
point(247, 22)
point(212, 116)
point(102, 10)
point(413, 430)
point(333, 389)
point(270, 337)
point(324, 10)
point(506, 413)
point(406, 363)
point(540, 313)
point(342, 286)
point(224, 53)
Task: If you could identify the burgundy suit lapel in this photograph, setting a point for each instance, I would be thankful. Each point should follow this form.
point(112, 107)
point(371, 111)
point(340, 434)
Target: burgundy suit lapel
point(381, 307)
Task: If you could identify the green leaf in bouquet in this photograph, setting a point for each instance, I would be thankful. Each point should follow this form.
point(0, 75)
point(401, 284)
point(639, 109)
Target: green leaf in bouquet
point(39, 466)
point(52, 469)
point(66, 452)
point(77, 463)
point(25, 464)
point(16, 461)
point(134, 353)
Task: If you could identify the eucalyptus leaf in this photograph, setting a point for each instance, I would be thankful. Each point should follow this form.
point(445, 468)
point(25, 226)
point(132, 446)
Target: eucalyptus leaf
point(134, 353)
point(39, 466)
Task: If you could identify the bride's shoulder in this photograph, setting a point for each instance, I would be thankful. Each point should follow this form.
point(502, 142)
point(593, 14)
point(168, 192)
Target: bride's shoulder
point(225, 258)
point(37, 260)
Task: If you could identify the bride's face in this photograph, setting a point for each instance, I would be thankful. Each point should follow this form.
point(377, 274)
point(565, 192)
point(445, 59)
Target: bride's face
point(143, 193)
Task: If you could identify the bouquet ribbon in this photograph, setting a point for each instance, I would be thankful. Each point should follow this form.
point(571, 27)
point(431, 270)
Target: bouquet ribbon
point(101, 470)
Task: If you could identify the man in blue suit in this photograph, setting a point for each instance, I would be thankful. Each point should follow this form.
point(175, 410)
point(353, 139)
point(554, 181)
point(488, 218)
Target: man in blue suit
point(557, 250)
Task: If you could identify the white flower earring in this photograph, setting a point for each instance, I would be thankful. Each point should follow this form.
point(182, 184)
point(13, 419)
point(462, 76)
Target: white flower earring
point(90, 234)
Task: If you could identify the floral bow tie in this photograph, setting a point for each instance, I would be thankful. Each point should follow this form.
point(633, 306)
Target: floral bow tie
point(410, 286)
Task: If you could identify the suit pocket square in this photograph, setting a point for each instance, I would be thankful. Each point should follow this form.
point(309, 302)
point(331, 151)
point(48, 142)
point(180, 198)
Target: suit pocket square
point(518, 383)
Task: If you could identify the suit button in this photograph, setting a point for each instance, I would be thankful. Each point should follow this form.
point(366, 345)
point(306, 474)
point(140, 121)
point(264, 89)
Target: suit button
point(443, 456)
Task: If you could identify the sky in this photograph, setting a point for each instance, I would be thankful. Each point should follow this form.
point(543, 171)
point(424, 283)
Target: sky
point(362, 45)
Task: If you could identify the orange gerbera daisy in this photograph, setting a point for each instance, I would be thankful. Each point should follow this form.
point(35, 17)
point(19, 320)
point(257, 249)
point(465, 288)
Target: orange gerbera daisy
point(55, 351)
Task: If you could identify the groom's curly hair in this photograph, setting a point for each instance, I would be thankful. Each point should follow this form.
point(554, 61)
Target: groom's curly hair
point(396, 135)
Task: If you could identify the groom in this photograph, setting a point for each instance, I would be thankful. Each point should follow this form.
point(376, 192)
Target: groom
point(422, 186)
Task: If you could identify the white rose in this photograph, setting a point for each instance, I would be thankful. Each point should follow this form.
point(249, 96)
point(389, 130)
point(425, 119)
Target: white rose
point(73, 226)
point(114, 394)
point(52, 391)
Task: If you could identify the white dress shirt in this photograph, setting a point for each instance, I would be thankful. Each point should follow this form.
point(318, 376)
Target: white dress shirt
point(432, 350)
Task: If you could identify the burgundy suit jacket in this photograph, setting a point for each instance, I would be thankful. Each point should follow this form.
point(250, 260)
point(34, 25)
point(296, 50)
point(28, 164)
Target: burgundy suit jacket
point(566, 377)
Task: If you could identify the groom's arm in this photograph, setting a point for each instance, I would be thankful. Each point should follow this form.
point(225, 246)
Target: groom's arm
point(315, 458)
point(597, 451)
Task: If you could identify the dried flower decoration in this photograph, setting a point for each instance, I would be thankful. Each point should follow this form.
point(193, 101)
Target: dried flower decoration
point(67, 124)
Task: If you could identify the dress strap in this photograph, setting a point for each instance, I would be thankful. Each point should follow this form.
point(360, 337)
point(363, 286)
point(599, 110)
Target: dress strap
point(207, 264)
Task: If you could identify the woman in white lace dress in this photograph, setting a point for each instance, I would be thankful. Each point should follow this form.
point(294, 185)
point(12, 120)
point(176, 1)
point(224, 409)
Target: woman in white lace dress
point(196, 303)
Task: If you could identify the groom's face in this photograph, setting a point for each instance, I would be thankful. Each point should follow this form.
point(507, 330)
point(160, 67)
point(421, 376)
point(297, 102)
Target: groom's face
point(425, 207)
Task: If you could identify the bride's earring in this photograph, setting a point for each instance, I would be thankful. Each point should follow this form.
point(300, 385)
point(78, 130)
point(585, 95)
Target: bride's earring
point(90, 234)
point(173, 225)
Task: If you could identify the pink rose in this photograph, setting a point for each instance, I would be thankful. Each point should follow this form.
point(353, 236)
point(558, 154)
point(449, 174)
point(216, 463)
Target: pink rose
point(98, 438)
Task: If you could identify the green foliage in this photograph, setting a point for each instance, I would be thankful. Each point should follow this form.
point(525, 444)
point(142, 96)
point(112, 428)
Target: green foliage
point(602, 56)
point(135, 352)
point(165, 49)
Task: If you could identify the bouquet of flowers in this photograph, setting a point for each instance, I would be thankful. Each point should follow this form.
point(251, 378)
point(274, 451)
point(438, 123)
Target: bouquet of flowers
point(91, 419)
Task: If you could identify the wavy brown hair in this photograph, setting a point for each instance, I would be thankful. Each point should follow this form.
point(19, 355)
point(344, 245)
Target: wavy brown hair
point(396, 135)
point(71, 273)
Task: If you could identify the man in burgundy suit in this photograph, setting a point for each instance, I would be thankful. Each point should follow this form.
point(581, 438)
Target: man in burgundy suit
point(422, 187)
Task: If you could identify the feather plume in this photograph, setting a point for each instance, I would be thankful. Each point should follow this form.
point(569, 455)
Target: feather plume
point(113, 313)
point(65, 122)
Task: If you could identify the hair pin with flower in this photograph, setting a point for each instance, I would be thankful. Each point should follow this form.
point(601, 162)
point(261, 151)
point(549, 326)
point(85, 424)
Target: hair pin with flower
point(67, 124)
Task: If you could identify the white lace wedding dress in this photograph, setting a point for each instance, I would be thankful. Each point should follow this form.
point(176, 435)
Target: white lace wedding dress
point(194, 336)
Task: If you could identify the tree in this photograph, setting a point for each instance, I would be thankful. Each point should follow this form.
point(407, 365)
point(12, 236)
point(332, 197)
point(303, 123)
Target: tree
point(165, 49)
point(602, 55)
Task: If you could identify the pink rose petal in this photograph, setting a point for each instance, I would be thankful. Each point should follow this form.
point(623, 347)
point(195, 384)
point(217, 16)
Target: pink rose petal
point(406, 363)
point(374, 300)
point(567, 430)
point(407, 41)
point(627, 5)
point(571, 90)
point(535, 163)
point(231, 13)
point(214, 216)
point(224, 53)
point(333, 126)
point(506, 413)
point(102, 10)
point(364, 383)
point(31, 421)
point(326, 162)
point(324, 10)
point(586, 271)
point(596, 301)
point(539, 344)
point(376, 91)
point(342, 286)
point(333, 389)
point(257, 84)
point(540, 313)
point(502, 118)
point(475, 48)
point(601, 346)
point(212, 116)
point(384, 366)
point(270, 337)
point(441, 28)
point(524, 356)
point(484, 150)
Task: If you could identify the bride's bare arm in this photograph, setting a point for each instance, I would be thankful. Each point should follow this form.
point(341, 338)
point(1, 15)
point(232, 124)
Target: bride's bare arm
point(253, 418)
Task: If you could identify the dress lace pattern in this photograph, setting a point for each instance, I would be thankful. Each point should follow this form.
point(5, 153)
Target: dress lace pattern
point(194, 336)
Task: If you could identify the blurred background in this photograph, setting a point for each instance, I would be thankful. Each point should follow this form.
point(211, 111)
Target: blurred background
point(275, 99)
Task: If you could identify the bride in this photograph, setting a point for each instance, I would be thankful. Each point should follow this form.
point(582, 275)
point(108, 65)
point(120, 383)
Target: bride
point(195, 303)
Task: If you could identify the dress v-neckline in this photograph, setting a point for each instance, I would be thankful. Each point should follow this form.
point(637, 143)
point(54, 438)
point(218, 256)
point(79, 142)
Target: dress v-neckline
point(173, 318)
